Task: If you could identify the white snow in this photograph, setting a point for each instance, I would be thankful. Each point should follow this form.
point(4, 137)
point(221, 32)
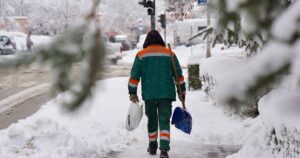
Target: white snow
point(232, 5)
point(296, 60)
point(92, 132)
point(99, 127)
point(277, 127)
point(237, 82)
point(288, 23)
point(20, 39)
point(191, 55)
point(20, 97)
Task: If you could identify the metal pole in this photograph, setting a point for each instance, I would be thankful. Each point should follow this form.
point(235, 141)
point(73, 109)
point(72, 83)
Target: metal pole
point(153, 18)
point(191, 41)
point(165, 30)
point(1, 8)
point(67, 14)
point(22, 8)
point(208, 49)
point(152, 22)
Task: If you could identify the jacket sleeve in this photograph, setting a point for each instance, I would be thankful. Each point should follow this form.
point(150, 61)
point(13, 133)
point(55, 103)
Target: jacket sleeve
point(180, 76)
point(135, 75)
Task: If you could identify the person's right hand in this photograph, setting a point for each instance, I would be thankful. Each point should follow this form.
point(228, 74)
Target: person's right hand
point(182, 96)
point(134, 98)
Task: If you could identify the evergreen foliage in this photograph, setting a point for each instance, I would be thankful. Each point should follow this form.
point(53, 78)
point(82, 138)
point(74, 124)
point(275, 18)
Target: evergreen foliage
point(279, 47)
point(81, 44)
point(246, 23)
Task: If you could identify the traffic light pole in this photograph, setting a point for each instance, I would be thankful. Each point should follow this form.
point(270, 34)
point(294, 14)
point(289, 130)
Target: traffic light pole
point(165, 29)
point(208, 49)
point(150, 5)
point(153, 26)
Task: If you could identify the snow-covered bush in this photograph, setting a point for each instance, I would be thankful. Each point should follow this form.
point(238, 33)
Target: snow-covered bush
point(213, 71)
point(265, 78)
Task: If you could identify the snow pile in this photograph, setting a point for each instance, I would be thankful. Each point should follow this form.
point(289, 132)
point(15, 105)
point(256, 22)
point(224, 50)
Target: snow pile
point(100, 130)
point(93, 133)
point(278, 132)
point(191, 55)
point(257, 144)
point(281, 117)
point(247, 75)
point(279, 135)
point(212, 69)
point(212, 126)
point(32, 139)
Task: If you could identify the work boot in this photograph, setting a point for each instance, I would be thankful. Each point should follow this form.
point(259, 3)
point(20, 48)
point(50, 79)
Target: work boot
point(164, 154)
point(151, 151)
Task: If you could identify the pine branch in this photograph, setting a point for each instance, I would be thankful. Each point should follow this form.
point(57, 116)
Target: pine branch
point(80, 44)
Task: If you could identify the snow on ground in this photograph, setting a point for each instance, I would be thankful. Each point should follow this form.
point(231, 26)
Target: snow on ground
point(98, 129)
point(191, 55)
point(277, 133)
point(52, 132)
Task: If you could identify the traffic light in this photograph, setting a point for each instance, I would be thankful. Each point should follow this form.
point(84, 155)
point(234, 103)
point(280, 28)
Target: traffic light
point(150, 5)
point(143, 3)
point(162, 20)
point(151, 8)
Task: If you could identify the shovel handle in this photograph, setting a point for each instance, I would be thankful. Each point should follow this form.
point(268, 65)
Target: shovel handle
point(176, 75)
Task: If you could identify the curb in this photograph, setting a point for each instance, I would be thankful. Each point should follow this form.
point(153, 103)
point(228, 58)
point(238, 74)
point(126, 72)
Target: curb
point(18, 98)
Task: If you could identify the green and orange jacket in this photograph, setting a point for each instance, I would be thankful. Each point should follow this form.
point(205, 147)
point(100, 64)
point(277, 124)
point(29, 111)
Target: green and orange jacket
point(153, 67)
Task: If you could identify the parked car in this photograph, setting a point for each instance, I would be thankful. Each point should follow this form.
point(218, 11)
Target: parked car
point(7, 45)
point(113, 52)
point(123, 39)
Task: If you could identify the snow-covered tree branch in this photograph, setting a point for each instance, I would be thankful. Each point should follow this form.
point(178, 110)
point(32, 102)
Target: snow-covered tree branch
point(246, 23)
point(81, 44)
point(276, 59)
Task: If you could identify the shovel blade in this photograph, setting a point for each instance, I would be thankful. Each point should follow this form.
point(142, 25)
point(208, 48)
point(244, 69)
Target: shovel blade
point(182, 120)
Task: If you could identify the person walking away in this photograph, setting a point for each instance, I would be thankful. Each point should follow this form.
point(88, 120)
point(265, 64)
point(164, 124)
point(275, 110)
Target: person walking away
point(153, 67)
point(29, 42)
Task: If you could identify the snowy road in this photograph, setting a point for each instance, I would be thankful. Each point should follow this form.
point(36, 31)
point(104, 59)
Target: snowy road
point(180, 149)
point(23, 91)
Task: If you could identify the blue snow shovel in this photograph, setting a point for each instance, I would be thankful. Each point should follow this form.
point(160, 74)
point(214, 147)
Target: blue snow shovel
point(182, 119)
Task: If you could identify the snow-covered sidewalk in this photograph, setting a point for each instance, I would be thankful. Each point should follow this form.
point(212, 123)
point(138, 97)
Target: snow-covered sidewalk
point(98, 128)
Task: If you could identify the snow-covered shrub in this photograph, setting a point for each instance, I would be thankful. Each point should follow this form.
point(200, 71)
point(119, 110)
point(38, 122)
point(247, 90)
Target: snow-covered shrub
point(213, 73)
point(280, 113)
point(265, 77)
point(278, 135)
